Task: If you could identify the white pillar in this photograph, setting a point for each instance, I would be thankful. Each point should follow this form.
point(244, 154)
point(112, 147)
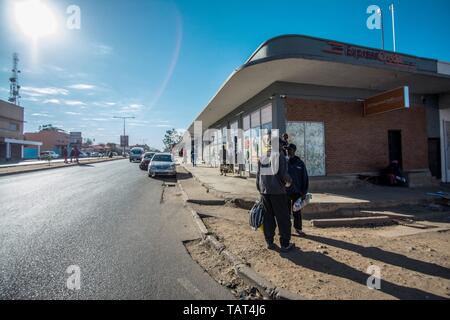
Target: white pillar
point(8, 151)
point(39, 152)
point(21, 151)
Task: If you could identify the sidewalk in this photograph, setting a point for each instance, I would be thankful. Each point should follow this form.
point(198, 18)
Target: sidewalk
point(330, 263)
point(243, 193)
point(44, 165)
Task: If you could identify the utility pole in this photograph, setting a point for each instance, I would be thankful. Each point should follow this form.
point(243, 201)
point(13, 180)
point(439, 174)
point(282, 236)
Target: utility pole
point(124, 134)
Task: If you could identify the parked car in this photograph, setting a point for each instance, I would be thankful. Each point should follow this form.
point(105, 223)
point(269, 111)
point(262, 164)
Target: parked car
point(146, 160)
point(83, 155)
point(162, 164)
point(136, 154)
point(95, 154)
point(51, 154)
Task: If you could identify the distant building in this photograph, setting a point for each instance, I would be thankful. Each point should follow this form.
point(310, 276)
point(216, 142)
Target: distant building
point(53, 139)
point(12, 141)
point(76, 139)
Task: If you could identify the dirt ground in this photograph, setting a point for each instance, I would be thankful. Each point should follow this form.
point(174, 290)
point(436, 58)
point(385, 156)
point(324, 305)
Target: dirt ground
point(332, 263)
point(220, 270)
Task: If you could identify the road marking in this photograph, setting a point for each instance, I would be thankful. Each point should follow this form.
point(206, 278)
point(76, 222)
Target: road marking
point(192, 289)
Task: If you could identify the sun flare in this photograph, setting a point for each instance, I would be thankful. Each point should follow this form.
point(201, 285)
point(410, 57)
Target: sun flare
point(35, 18)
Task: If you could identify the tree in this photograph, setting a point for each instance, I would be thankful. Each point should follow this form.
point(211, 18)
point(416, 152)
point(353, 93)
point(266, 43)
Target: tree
point(89, 142)
point(171, 138)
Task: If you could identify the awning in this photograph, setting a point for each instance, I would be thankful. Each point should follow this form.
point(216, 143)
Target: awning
point(307, 60)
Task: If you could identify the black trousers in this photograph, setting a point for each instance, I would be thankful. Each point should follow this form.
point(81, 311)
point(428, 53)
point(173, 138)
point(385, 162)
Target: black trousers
point(297, 215)
point(277, 212)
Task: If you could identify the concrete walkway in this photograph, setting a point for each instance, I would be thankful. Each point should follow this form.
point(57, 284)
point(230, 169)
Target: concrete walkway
point(242, 191)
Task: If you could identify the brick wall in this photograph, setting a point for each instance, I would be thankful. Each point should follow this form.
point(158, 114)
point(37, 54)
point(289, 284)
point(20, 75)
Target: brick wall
point(354, 143)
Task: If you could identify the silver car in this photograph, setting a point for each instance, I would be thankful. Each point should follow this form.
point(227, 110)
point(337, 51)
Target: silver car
point(162, 164)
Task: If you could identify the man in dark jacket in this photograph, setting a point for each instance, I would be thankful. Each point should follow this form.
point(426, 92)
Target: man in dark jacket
point(271, 180)
point(299, 187)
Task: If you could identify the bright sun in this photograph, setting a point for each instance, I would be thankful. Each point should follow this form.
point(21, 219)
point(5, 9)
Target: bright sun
point(35, 18)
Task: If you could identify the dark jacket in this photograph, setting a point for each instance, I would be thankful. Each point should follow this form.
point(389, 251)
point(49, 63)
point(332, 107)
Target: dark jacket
point(268, 181)
point(300, 180)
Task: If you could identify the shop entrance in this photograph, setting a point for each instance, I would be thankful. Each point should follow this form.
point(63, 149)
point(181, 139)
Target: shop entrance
point(309, 137)
point(395, 146)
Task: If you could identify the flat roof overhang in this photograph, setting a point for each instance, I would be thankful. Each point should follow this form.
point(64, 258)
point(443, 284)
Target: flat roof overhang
point(22, 142)
point(297, 59)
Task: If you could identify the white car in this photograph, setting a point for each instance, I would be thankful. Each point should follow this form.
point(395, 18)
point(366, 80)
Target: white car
point(51, 154)
point(162, 164)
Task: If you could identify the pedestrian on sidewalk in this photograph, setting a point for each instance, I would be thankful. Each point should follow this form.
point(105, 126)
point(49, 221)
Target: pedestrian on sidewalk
point(193, 158)
point(271, 180)
point(299, 187)
point(76, 154)
point(65, 153)
point(72, 154)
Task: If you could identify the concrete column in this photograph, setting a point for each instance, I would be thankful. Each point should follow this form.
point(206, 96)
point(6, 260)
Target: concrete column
point(39, 151)
point(8, 151)
point(279, 114)
point(21, 152)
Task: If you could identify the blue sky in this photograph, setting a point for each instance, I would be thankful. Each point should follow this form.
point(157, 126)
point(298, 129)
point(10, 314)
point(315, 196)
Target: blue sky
point(162, 61)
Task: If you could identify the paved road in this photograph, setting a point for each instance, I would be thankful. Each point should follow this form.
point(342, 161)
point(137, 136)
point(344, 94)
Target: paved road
point(105, 218)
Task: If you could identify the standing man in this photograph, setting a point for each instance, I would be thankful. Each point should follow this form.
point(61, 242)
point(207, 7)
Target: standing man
point(65, 154)
point(271, 180)
point(299, 187)
point(76, 153)
point(193, 157)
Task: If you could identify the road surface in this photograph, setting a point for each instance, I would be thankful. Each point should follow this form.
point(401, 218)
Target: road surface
point(106, 219)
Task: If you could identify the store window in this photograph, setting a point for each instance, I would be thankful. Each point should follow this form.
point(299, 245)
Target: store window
point(309, 137)
point(255, 145)
point(13, 126)
point(246, 129)
point(266, 128)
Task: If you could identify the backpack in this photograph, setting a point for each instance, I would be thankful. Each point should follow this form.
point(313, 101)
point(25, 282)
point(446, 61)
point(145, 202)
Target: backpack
point(256, 215)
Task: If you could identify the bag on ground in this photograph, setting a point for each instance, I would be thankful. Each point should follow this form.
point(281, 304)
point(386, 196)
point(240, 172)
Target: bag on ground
point(257, 215)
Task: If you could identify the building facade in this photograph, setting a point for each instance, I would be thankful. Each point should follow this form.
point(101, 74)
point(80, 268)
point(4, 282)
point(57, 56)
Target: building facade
point(52, 139)
point(315, 90)
point(12, 140)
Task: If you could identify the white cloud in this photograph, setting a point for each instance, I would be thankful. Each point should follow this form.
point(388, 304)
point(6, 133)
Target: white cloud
point(111, 103)
point(102, 49)
point(73, 113)
point(74, 103)
point(43, 91)
point(41, 115)
point(52, 101)
point(82, 86)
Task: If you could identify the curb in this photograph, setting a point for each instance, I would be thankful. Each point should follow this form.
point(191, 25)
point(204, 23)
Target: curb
point(242, 269)
point(51, 168)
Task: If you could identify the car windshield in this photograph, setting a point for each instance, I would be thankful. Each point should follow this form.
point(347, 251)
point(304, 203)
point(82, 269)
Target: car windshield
point(136, 151)
point(162, 158)
point(149, 155)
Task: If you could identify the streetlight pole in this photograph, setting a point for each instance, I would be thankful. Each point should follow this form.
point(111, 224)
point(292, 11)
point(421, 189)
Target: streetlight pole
point(124, 120)
point(391, 7)
point(380, 12)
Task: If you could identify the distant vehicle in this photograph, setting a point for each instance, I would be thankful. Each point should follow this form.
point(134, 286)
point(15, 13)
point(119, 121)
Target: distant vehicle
point(51, 154)
point(162, 164)
point(136, 154)
point(95, 154)
point(146, 160)
point(83, 155)
point(115, 154)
